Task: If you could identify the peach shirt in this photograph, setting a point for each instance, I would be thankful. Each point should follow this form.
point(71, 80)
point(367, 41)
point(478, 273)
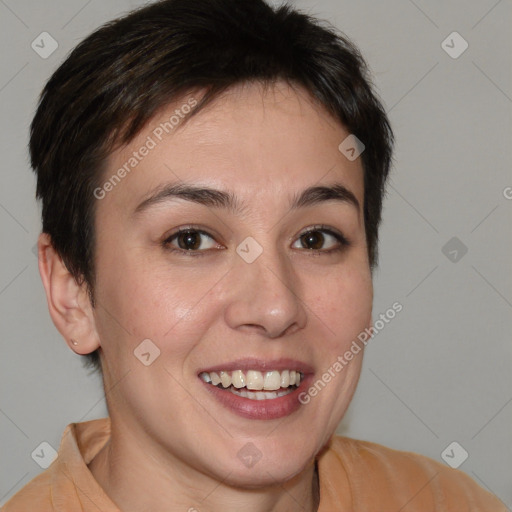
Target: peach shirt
point(354, 476)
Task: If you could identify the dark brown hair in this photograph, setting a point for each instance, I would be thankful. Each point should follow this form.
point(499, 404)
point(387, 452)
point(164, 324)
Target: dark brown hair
point(122, 74)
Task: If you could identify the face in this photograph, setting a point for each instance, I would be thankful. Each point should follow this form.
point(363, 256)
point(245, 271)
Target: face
point(247, 283)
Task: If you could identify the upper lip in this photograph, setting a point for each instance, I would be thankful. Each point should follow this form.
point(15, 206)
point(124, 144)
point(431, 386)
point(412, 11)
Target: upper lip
point(262, 365)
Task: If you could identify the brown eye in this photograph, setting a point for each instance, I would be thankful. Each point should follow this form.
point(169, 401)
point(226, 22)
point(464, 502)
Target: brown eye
point(313, 240)
point(191, 240)
point(321, 240)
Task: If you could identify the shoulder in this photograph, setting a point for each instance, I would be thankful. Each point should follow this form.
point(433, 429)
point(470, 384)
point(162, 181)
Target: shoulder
point(60, 486)
point(410, 477)
point(35, 495)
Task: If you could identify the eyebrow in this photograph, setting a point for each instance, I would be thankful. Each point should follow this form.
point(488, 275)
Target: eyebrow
point(225, 199)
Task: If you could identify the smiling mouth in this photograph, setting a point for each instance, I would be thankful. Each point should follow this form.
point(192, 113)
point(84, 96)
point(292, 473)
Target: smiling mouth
point(254, 384)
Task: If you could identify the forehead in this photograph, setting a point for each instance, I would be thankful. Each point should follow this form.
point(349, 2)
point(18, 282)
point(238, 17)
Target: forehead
point(261, 143)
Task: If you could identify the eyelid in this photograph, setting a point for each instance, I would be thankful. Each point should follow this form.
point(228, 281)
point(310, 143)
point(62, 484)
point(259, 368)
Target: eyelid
point(190, 227)
point(168, 239)
point(342, 239)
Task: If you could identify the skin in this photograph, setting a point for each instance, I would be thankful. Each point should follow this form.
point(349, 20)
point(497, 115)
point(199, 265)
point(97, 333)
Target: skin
point(173, 446)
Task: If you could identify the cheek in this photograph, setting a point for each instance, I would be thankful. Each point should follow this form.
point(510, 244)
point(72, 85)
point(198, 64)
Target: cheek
point(146, 299)
point(343, 304)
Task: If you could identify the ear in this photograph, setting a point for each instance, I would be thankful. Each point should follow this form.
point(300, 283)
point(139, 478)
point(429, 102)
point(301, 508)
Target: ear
point(68, 303)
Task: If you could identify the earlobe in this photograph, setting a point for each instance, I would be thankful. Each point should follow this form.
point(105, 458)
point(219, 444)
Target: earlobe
point(72, 316)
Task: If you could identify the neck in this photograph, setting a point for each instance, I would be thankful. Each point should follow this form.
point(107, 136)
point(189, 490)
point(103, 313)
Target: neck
point(137, 478)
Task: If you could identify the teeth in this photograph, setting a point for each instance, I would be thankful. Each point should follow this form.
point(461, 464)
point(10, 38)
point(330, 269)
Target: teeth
point(270, 395)
point(272, 381)
point(255, 381)
point(225, 379)
point(238, 379)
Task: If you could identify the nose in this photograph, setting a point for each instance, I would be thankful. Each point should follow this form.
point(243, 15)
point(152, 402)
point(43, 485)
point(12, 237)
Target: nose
point(265, 296)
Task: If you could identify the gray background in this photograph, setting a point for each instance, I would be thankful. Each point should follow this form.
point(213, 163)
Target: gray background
point(441, 370)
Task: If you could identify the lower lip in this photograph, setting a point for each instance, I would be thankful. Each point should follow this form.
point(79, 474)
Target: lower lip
point(270, 409)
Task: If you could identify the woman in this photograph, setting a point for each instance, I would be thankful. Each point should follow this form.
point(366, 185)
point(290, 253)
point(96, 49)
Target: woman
point(212, 174)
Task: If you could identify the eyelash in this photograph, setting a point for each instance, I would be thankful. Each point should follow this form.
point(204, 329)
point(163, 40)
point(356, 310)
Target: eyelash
point(342, 240)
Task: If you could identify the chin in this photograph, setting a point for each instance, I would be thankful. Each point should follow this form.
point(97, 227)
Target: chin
point(262, 462)
point(266, 473)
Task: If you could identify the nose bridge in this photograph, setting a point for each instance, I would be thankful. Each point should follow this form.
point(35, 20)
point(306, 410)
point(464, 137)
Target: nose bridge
point(274, 276)
point(266, 294)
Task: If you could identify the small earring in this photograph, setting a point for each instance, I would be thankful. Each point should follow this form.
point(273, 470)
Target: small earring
point(74, 342)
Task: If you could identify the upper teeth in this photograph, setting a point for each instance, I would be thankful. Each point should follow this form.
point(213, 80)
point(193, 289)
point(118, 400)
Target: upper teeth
point(253, 379)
